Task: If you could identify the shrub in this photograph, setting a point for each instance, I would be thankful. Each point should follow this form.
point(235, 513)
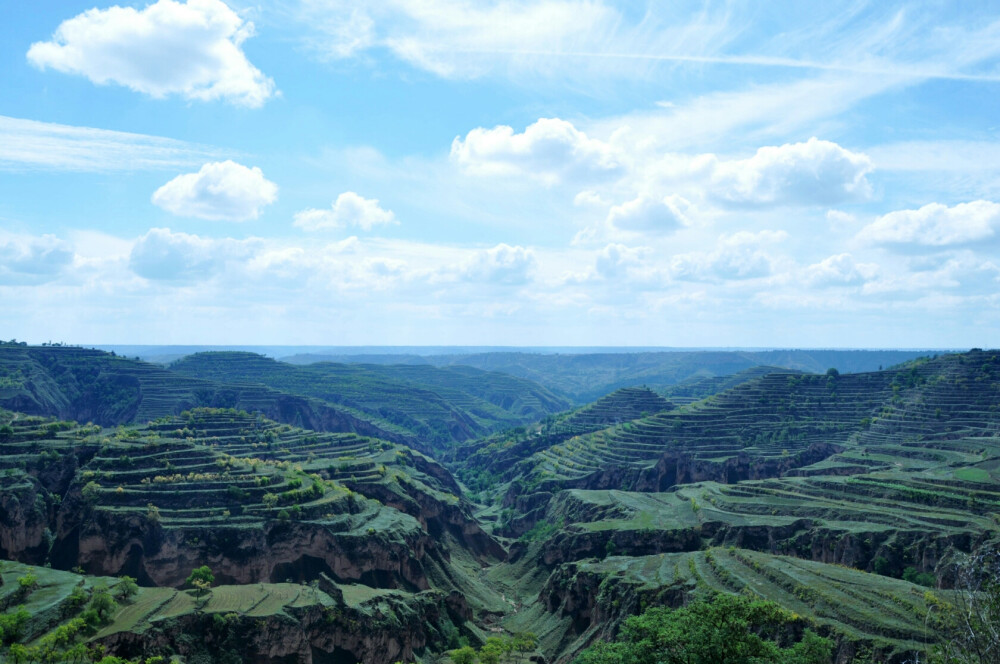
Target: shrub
point(12, 625)
point(723, 629)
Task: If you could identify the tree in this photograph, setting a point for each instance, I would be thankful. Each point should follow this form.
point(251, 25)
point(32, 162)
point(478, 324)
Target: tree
point(971, 626)
point(126, 588)
point(525, 642)
point(103, 605)
point(722, 629)
point(12, 625)
point(466, 655)
point(91, 492)
point(202, 579)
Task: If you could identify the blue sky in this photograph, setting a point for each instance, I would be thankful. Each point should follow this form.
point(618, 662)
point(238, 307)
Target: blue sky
point(555, 172)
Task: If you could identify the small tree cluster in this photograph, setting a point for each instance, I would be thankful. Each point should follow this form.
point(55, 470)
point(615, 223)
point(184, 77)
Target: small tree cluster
point(496, 649)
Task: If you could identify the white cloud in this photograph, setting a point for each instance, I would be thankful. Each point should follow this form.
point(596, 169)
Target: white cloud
point(219, 190)
point(962, 271)
point(589, 198)
point(839, 270)
point(550, 149)
point(812, 173)
point(29, 144)
point(349, 209)
point(616, 260)
point(737, 256)
point(840, 220)
point(645, 213)
point(161, 254)
point(502, 264)
point(458, 38)
point(192, 49)
point(935, 225)
point(32, 260)
point(938, 156)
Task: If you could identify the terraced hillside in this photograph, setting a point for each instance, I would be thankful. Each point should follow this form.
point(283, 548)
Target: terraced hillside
point(775, 424)
point(258, 501)
point(90, 385)
point(485, 461)
point(695, 389)
point(874, 618)
point(325, 621)
point(848, 499)
point(437, 407)
point(820, 492)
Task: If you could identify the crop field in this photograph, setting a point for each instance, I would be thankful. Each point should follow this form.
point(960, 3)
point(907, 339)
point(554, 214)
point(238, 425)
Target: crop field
point(887, 614)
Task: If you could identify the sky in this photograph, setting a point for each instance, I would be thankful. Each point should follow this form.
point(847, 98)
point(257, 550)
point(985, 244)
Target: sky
point(501, 172)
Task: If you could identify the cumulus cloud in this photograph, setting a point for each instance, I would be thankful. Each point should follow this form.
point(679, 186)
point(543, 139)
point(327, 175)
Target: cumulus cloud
point(839, 270)
point(935, 225)
point(735, 257)
point(164, 255)
point(502, 264)
point(349, 209)
point(646, 213)
point(193, 49)
point(222, 190)
point(617, 259)
point(550, 149)
point(813, 173)
point(32, 260)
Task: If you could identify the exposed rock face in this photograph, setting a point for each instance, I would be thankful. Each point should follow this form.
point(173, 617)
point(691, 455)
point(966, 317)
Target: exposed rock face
point(672, 469)
point(29, 501)
point(23, 520)
point(435, 516)
point(396, 630)
point(106, 543)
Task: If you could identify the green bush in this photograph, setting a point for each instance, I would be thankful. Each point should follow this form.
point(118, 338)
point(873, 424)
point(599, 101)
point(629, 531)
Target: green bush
point(723, 629)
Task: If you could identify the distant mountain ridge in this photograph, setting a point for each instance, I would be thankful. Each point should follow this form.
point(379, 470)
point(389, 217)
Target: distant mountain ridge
point(586, 377)
point(425, 407)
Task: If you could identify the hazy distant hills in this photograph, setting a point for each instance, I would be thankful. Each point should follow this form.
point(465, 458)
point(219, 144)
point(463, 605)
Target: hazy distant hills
point(585, 377)
point(437, 406)
point(425, 407)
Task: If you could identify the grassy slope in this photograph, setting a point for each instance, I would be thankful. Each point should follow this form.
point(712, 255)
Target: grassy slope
point(439, 406)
